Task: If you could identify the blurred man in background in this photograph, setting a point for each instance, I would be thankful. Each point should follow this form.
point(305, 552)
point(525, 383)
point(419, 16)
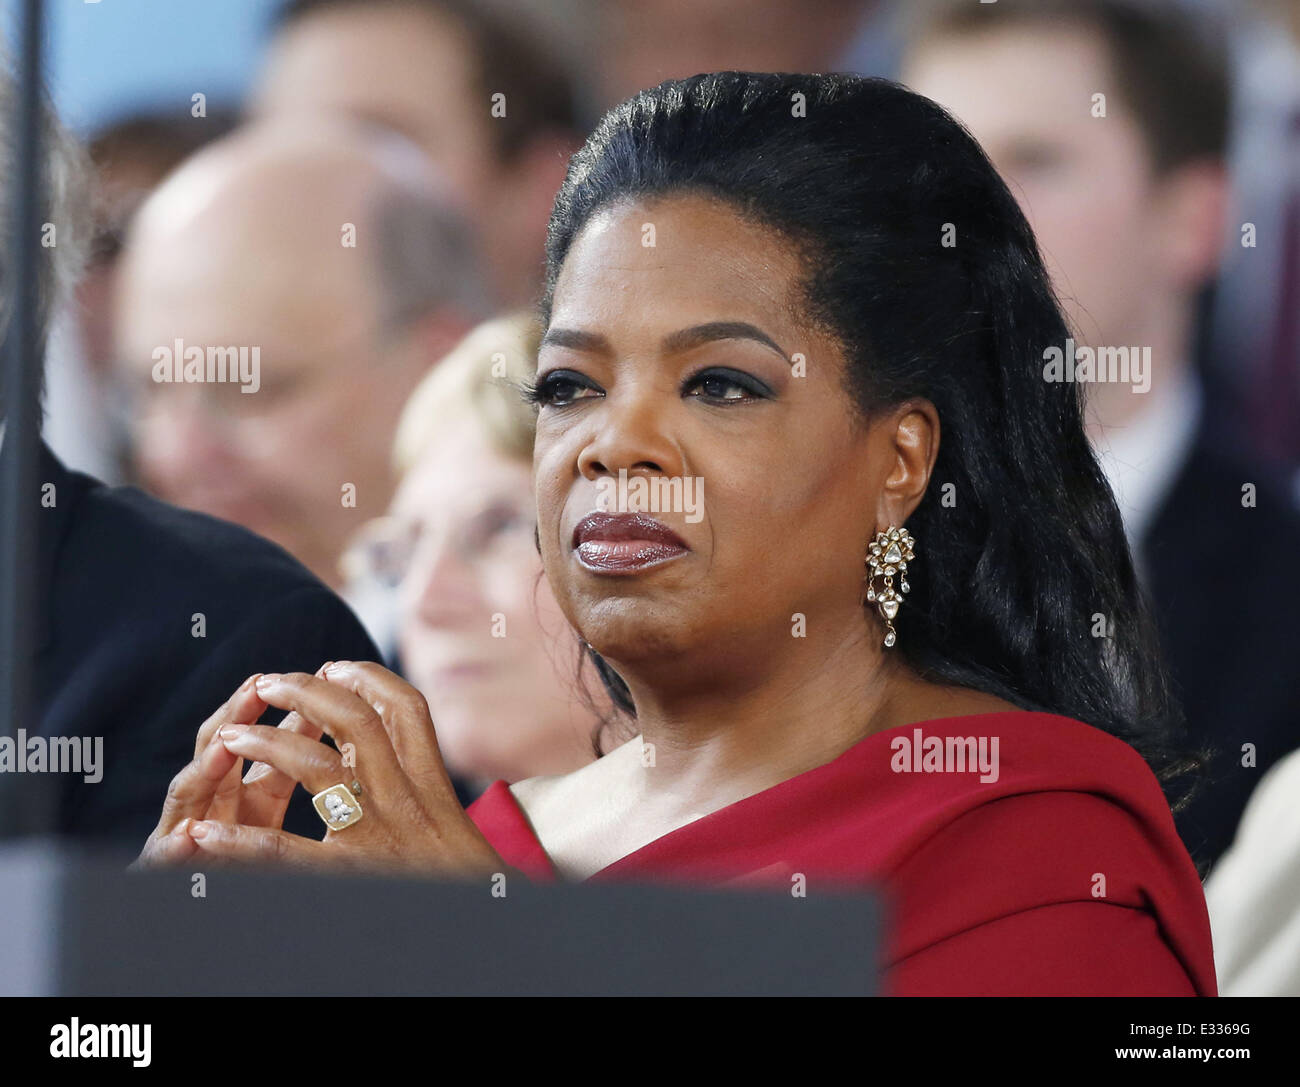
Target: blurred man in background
point(86, 421)
point(1126, 194)
point(489, 103)
point(149, 617)
point(327, 252)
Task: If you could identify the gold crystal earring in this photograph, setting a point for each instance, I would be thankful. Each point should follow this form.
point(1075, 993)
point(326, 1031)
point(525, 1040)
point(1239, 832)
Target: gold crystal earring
point(889, 555)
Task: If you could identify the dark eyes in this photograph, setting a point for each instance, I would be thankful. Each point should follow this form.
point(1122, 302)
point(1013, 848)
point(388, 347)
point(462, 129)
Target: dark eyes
point(717, 384)
point(722, 384)
point(560, 388)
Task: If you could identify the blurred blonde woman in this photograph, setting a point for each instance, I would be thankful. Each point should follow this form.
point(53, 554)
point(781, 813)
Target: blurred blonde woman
point(478, 630)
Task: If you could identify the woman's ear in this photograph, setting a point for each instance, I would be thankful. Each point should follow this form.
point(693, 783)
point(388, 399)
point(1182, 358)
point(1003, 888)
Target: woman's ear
point(909, 444)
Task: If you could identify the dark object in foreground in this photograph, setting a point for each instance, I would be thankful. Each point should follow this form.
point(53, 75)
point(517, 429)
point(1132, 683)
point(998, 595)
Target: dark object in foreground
point(79, 925)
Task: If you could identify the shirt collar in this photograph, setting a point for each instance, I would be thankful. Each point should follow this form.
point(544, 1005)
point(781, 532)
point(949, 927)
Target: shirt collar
point(1142, 457)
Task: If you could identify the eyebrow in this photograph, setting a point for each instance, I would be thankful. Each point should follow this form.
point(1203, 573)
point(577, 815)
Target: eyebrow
point(683, 340)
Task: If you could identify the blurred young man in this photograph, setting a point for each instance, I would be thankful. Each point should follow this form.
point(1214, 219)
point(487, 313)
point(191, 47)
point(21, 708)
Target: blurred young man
point(1109, 121)
point(487, 101)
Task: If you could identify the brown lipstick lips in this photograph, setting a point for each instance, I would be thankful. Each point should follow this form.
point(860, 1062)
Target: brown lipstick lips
point(624, 542)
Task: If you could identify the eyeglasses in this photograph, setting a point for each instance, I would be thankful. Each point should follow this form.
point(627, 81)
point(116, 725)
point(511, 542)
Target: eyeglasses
point(387, 548)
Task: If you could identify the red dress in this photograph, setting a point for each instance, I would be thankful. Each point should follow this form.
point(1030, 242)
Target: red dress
point(1063, 876)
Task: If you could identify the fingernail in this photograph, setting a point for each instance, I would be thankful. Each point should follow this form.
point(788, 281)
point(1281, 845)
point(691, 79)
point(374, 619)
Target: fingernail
point(232, 732)
point(251, 681)
point(265, 683)
point(198, 829)
point(258, 770)
point(324, 668)
point(335, 666)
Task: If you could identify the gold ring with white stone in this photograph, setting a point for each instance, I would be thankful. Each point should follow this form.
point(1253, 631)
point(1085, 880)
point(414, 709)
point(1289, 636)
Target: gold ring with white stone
point(337, 807)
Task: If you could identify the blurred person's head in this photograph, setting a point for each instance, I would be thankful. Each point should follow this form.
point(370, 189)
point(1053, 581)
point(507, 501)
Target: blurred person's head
point(480, 633)
point(1127, 204)
point(648, 41)
point(62, 185)
point(488, 103)
point(281, 295)
point(130, 157)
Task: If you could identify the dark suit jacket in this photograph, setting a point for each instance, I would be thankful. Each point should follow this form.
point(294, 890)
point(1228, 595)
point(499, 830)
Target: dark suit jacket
point(1225, 584)
point(122, 578)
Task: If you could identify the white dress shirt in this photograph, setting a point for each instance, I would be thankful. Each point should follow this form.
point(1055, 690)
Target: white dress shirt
point(1143, 457)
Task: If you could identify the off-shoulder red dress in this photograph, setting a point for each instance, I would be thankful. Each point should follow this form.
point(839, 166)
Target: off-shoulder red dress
point(1063, 876)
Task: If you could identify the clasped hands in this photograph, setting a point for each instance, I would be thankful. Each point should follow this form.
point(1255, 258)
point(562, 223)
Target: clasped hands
point(412, 821)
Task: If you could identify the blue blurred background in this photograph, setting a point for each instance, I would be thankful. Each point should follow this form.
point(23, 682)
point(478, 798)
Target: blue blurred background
point(108, 59)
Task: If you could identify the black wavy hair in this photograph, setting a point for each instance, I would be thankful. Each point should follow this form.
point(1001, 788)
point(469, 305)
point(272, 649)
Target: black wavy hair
point(922, 267)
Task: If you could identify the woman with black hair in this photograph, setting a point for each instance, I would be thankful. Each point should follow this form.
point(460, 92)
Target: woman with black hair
point(837, 544)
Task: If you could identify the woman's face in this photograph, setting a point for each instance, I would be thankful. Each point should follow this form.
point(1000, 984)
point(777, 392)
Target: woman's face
point(480, 634)
point(690, 359)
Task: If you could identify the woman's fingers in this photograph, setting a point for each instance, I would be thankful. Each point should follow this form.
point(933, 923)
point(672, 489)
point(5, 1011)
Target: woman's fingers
point(173, 848)
point(233, 843)
point(363, 706)
point(226, 800)
point(293, 758)
point(209, 784)
point(346, 717)
point(190, 793)
point(267, 791)
point(403, 711)
point(241, 708)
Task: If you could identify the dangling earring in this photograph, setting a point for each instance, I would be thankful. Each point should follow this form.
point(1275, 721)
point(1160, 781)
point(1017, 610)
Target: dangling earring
point(889, 555)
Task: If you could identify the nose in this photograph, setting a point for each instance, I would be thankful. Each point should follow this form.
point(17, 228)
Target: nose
point(441, 586)
point(178, 441)
point(632, 434)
